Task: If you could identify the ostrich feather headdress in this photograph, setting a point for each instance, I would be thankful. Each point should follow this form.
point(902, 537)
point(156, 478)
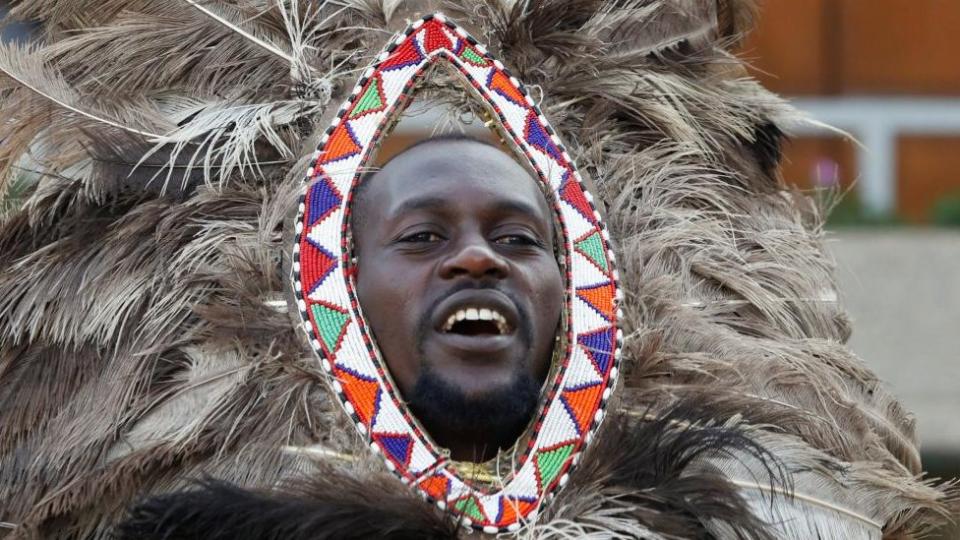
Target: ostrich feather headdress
point(152, 158)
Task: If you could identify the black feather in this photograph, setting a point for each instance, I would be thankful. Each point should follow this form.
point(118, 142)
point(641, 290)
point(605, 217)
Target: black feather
point(656, 467)
point(767, 147)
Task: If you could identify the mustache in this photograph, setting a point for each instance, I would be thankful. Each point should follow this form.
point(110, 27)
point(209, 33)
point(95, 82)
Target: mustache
point(524, 326)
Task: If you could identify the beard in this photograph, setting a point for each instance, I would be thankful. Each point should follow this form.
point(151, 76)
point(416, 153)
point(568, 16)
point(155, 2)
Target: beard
point(498, 415)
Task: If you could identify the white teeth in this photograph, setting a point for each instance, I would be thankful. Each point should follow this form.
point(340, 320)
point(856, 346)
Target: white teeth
point(478, 314)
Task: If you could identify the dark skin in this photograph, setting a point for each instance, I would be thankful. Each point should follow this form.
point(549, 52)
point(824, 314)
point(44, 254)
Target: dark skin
point(447, 227)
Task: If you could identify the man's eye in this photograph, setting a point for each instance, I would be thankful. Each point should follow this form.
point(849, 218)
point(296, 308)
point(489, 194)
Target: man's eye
point(419, 237)
point(518, 240)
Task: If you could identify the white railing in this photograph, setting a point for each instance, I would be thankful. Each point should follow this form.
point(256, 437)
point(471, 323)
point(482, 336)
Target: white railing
point(876, 122)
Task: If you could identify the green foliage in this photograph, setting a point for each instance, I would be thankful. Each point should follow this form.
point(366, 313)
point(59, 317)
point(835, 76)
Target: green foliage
point(849, 211)
point(946, 213)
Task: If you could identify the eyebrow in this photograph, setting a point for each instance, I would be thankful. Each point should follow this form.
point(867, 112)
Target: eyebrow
point(441, 204)
point(421, 203)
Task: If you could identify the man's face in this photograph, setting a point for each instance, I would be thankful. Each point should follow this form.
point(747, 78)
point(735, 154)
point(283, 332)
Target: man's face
point(459, 283)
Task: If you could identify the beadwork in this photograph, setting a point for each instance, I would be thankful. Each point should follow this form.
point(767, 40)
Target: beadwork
point(334, 324)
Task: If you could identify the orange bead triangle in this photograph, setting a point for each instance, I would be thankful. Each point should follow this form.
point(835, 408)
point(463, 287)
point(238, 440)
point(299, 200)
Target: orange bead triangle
point(581, 403)
point(511, 510)
point(600, 298)
point(436, 486)
point(501, 84)
point(363, 393)
point(341, 144)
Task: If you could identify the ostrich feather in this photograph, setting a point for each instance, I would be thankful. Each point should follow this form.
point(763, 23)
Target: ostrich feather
point(230, 136)
point(273, 49)
point(23, 65)
point(36, 95)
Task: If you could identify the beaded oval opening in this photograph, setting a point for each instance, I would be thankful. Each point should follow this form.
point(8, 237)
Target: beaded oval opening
point(577, 389)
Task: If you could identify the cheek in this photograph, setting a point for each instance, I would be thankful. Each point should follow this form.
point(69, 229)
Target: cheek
point(549, 287)
point(388, 308)
point(392, 313)
point(547, 293)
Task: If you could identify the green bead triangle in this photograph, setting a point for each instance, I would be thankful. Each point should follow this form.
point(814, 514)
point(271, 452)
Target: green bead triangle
point(592, 248)
point(549, 463)
point(331, 324)
point(469, 508)
point(469, 55)
point(371, 99)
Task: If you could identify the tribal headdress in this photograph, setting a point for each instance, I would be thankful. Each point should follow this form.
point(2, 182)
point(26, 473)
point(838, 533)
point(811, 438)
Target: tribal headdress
point(586, 374)
point(181, 347)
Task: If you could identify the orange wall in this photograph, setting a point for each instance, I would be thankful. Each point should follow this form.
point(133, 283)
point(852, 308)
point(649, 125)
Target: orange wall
point(907, 48)
point(928, 169)
point(804, 47)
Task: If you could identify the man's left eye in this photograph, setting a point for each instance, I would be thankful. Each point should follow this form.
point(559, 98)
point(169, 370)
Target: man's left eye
point(422, 237)
point(517, 240)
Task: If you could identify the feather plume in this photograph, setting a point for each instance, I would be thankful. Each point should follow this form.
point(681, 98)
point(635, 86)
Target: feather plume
point(24, 65)
point(263, 44)
point(230, 137)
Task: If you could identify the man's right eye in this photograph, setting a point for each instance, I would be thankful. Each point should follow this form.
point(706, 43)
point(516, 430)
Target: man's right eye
point(419, 237)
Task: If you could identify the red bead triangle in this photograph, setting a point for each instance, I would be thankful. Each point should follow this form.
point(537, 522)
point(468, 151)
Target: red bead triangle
point(405, 55)
point(315, 265)
point(572, 194)
point(435, 38)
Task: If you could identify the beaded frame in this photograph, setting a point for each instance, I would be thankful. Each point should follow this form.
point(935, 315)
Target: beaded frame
point(579, 387)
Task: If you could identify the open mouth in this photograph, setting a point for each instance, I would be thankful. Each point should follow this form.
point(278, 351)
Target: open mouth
point(477, 321)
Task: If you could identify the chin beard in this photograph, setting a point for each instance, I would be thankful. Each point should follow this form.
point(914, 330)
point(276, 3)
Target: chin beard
point(494, 418)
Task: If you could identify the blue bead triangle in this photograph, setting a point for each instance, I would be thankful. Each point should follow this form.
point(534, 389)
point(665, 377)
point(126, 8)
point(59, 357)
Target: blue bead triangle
point(398, 446)
point(323, 199)
point(538, 137)
point(599, 347)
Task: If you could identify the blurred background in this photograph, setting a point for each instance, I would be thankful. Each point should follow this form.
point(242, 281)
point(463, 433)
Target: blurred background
point(888, 73)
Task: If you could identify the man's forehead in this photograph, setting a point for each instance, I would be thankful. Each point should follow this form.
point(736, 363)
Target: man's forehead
point(447, 172)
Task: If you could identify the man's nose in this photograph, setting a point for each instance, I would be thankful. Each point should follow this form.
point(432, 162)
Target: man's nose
point(474, 258)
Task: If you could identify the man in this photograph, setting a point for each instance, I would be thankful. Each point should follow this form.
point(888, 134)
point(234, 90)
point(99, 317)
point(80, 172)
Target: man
point(458, 275)
point(146, 340)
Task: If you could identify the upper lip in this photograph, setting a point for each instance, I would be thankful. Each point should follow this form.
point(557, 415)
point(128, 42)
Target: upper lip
point(478, 299)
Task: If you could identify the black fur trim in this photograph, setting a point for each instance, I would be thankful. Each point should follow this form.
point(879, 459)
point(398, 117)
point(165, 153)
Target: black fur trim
point(332, 506)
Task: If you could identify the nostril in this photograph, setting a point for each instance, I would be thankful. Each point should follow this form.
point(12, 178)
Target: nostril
point(475, 260)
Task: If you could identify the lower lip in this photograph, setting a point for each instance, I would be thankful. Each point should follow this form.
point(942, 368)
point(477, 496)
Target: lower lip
point(475, 344)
